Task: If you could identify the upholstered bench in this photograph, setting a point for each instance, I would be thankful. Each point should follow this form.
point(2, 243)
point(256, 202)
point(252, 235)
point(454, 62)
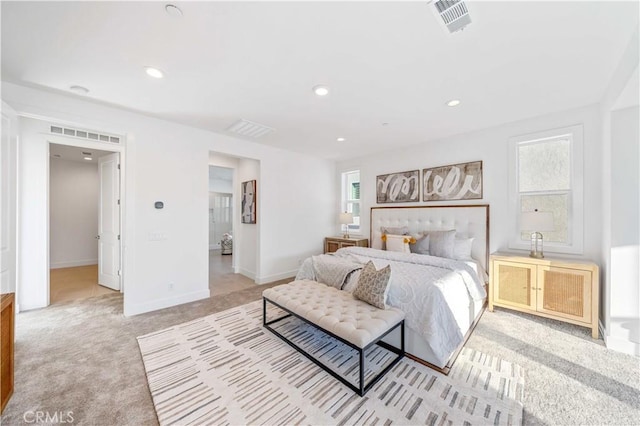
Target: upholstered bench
point(340, 315)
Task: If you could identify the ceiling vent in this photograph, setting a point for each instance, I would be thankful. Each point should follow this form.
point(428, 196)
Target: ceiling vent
point(250, 129)
point(453, 13)
point(84, 134)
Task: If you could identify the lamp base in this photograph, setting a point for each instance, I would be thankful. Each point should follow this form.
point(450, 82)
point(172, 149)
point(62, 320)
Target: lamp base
point(536, 255)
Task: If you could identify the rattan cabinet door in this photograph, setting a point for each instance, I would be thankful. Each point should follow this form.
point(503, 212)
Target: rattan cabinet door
point(514, 284)
point(565, 293)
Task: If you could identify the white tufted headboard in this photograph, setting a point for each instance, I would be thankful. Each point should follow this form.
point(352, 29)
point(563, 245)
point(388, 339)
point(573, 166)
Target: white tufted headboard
point(467, 220)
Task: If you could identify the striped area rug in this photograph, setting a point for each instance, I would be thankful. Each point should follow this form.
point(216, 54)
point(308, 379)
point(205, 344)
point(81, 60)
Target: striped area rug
point(225, 369)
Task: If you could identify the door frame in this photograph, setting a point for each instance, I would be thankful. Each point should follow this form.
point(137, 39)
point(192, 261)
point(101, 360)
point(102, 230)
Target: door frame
point(119, 148)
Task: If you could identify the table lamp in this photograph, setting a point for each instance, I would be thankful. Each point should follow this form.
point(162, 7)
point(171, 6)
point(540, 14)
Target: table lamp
point(346, 219)
point(535, 222)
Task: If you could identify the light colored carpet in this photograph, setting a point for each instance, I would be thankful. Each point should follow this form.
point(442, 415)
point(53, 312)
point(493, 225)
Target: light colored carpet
point(227, 369)
point(84, 356)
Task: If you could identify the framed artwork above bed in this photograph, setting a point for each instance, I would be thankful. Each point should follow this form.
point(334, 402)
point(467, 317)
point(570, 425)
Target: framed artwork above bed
point(454, 182)
point(401, 187)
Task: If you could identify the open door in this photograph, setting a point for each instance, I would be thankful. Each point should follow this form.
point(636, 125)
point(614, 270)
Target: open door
point(109, 222)
point(8, 200)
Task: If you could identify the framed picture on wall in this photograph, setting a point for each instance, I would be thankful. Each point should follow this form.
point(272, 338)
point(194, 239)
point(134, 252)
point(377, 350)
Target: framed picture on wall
point(249, 201)
point(454, 182)
point(403, 187)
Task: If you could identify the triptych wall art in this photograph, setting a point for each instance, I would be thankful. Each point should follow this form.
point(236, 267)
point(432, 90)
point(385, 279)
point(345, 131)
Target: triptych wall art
point(453, 182)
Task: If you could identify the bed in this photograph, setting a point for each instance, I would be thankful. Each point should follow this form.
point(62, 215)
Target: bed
point(442, 298)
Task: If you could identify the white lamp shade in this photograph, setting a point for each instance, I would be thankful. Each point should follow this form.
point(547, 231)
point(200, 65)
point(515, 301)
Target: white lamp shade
point(346, 218)
point(536, 221)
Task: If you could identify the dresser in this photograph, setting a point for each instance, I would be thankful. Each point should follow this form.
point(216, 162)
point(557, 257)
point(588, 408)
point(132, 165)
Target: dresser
point(332, 244)
point(565, 290)
point(7, 318)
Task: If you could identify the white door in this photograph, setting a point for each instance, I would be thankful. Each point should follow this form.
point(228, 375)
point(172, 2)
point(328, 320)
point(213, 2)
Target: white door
point(8, 164)
point(221, 216)
point(109, 222)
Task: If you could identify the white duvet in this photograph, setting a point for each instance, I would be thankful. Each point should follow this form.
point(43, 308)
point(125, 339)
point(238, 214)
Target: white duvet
point(435, 293)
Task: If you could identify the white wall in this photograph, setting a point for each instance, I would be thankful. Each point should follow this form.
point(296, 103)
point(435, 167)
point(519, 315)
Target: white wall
point(168, 162)
point(491, 146)
point(74, 192)
point(625, 226)
point(617, 319)
point(247, 235)
point(220, 185)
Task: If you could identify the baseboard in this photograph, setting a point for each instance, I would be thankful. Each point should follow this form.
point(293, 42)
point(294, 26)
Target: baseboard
point(247, 273)
point(168, 302)
point(620, 345)
point(276, 277)
point(73, 263)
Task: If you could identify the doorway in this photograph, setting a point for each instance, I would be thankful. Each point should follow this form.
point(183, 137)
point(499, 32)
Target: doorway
point(84, 223)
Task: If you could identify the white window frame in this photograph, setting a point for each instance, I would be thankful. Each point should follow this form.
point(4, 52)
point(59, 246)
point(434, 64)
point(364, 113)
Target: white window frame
point(575, 230)
point(344, 201)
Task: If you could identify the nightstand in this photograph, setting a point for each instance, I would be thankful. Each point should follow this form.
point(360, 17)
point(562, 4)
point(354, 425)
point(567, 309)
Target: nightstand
point(565, 290)
point(332, 244)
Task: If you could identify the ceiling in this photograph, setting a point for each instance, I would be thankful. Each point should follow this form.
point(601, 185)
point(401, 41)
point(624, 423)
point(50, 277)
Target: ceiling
point(384, 62)
point(74, 153)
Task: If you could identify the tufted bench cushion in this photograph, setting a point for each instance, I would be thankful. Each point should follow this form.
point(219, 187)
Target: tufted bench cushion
point(335, 311)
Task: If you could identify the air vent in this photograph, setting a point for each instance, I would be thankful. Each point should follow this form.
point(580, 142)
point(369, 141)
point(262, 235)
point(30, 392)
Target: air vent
point(453, 13)
point(249, 128)
point(84, 134)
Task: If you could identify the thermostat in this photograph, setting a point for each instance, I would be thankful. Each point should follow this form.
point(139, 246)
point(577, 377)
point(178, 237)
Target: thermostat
point(159, 204)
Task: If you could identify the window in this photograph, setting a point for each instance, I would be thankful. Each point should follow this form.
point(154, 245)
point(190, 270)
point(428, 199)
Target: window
point(351, 197)
point(546, 174)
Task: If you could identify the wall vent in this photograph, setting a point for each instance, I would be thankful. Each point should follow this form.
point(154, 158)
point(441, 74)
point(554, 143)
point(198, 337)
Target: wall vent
point(453, 13)
point(249, 128)
point(84, 134)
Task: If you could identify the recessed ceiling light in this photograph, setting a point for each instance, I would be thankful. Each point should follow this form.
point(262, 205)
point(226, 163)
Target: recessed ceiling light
point(321, 90)
point(154, 72)
point(453, 102)
point(341, 139)
point(385, 124)
point(173, 10)
point(79, 90)
point(88, 158)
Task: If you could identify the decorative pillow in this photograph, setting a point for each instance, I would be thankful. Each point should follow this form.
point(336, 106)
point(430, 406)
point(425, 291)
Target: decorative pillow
point(421, 246)
point(462, 248)
point(398, 242)
point(441, 243)
point(398, 230)
point(373, 285)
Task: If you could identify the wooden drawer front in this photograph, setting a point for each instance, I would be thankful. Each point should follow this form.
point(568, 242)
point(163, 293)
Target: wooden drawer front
point(348, 244)
point(514, 284)
point(565, 292)
point(331, 246)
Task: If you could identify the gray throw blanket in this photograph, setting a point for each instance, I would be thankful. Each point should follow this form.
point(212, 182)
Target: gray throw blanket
point(327, 269)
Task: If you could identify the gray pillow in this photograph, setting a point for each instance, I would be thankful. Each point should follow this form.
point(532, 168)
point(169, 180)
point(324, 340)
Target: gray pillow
point(373, 285)
point(421, 246)
point(441, 243)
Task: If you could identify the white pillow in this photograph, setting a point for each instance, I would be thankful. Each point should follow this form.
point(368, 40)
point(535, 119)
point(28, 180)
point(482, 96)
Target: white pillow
point(398, 243)
point(462, 248)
